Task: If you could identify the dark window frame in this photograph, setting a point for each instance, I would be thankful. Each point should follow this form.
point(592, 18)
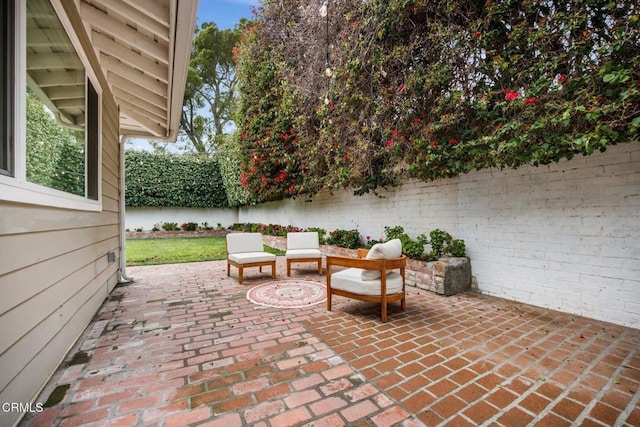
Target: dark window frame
point(7, 104)
point(92, 142)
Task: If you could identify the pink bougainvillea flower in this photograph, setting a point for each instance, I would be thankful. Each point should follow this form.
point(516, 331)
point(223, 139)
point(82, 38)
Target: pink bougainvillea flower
point(531, 100)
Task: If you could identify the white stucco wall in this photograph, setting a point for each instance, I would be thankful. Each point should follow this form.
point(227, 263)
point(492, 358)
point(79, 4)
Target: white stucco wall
point(564, 236)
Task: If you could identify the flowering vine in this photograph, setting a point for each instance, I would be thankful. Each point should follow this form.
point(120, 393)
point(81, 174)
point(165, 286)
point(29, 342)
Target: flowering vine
point(430, 89)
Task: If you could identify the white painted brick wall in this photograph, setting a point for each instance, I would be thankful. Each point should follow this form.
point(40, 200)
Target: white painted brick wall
point(418, 207)
point(564, 236)
point(567, 234)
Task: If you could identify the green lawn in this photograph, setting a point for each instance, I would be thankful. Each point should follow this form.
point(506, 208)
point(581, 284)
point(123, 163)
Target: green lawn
point(178, 250)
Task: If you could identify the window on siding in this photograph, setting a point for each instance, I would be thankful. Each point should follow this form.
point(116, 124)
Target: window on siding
point(58, 133)
point(56, 103)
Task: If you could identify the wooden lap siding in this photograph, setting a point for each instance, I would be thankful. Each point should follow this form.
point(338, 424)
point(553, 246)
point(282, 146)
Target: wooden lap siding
point(54, 275)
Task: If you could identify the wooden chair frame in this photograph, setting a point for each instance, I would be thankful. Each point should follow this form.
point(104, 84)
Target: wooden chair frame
point(291, 259)
point(370, 264)
point(314, 259)
point(241, 268)
point(249, 249)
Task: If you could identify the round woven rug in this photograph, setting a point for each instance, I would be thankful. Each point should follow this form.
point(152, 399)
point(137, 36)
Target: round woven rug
point(290, 293)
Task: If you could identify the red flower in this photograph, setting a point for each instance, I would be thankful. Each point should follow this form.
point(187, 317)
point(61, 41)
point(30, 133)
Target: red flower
point(416, 120)
point(402, 87)
point(346, 157)
point(394, 132)
point(531, 100)
point(453, 141)
point(510, 96)
point(433, 144)
point(560, 78)
point(476, 35)
point(390, 142)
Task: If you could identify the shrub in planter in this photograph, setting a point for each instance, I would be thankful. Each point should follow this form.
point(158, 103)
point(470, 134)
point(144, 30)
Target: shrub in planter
point(439, 241)
point(413, 249)
point(189, 226)
point(170, 226)
point(349, 239)
point(457, 248)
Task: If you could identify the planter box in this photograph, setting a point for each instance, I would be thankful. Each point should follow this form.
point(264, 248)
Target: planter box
point(445, 276)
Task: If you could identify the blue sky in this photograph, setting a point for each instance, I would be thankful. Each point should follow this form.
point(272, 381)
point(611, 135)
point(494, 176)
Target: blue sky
point(225, 13)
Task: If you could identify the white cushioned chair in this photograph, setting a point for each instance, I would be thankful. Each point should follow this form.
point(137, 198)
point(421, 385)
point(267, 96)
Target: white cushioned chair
point(303, 247)
point(246, 250)
point(379, 277)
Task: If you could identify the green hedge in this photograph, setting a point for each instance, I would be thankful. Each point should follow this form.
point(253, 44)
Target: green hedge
point(169, 180)
point(229, 157)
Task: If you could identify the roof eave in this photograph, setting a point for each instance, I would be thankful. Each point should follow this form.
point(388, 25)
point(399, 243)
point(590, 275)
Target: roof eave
point(186, 13)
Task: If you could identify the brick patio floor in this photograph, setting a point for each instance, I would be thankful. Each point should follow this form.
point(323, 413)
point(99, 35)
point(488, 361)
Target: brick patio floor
point(183, 346)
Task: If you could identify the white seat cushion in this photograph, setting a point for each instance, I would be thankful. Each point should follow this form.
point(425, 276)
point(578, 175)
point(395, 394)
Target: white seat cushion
point(350, 280)
point(303, 240)
point(303, 253)
point(244, 242)
point(387, 250)
point(248, 257)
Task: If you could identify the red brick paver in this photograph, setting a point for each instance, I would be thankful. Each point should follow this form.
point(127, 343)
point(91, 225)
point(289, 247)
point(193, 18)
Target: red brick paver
point(183, 346)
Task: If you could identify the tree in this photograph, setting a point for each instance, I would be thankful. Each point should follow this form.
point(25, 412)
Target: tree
point(209, 101)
